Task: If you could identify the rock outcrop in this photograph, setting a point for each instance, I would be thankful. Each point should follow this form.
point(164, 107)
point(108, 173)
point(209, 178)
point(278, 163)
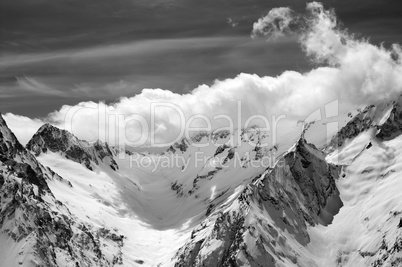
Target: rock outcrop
point(392, 127)
point(42, 227)
point(50, 138)
point(269, 216)
point(385, 118)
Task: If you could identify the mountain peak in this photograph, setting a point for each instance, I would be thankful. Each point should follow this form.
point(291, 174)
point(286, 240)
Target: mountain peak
point(18, 160)
point(296, 194)
point(385, 118)
point(48, 126)
point(51, 138)
point(392, 127)
point(9, 145)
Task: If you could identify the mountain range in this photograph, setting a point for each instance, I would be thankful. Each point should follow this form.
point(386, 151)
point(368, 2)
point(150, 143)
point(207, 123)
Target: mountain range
point(68, 202)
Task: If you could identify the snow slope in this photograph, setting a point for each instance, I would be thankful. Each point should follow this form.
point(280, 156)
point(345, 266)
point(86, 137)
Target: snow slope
point(151, 205)
point(36, 229)
point(216, 199)
point(265, 224)
point(367, 230)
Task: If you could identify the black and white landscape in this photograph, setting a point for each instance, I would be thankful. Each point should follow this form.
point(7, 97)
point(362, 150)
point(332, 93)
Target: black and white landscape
point(200, 133)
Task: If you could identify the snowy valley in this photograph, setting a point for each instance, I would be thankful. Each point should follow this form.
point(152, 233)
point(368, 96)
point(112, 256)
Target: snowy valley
point(66, 202)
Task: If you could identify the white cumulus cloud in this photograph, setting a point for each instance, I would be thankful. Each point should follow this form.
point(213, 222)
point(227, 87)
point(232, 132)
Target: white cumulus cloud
point(355, 72)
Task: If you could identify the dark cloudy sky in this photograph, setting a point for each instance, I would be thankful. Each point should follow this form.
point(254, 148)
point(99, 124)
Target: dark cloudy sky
point(66, 51)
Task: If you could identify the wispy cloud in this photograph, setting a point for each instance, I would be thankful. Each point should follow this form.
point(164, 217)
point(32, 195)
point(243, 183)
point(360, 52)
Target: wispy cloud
point(132, 49)
point(356, 73)
point(118, 88)
point(5, 94)
point(352, 71)
point(32, 85)
point(109, 72)
point(232, 22)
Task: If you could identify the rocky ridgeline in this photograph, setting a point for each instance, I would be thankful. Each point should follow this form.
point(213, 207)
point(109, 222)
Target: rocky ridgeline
point(44, 229)
point(9, 145)
point(19, 161)
point(390, 251)
point(49, 232)
point(387, 124)
point(226, 147)
point(50, 138)
point(358, 124)
point(223, 138)
point(392, 127)
point(212, 137)
point(262, 225)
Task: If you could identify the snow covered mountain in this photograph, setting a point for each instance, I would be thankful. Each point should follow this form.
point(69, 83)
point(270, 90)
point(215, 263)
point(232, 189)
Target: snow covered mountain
point(385, 117)
point(266, 219)
point(57, 140)
point(36, 229)
point(66, 202)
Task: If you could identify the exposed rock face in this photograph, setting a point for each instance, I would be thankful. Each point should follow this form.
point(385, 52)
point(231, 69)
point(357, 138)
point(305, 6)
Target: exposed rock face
point(385, 117)
point(58, 238)
point(392, 127)
point(358, 124)
point(245, 216)
point(314, 176)
point(19, 161)
point(269, 215)
point(9, 145)
point(54, 139)
point(223, 150)
point(44, 229)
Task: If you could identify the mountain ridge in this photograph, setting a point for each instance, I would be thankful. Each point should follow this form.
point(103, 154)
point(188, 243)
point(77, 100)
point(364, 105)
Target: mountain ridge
point(214, 214)
point(54, 139)
point(38, 229)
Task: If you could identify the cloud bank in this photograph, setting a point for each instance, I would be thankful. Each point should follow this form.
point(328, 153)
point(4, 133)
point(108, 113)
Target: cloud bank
point(353, 71)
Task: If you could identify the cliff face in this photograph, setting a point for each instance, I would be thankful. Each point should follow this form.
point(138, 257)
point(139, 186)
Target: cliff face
point(392, 127)
point(358, 124)
point(385, 118)
point(9, 145)
point(57, 140)
point(18, 161)
point(35, 228)
point(217, 205)
point(269, 217)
